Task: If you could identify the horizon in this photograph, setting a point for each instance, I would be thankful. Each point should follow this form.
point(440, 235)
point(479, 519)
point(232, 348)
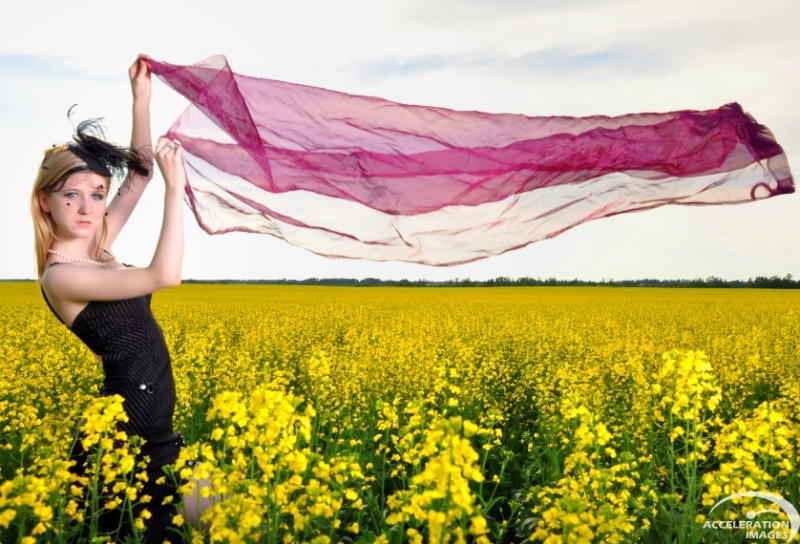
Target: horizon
point(499, 281)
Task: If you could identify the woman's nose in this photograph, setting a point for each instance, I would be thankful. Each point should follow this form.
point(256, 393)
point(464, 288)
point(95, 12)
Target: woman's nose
point(84, 206)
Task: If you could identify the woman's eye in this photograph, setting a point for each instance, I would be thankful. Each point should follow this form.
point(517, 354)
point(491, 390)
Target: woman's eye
point(99, 196)
point(71, 195)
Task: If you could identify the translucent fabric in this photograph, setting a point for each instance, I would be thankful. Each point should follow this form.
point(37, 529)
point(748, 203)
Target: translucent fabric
point(361, 177)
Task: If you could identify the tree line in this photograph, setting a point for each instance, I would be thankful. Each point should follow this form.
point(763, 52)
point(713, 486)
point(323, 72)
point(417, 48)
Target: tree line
point(760, 282)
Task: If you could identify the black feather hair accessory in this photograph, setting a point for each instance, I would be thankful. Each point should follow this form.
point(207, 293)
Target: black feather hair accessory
point(103, 157)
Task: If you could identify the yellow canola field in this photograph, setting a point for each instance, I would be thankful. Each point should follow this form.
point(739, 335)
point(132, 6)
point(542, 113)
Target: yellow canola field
point(341, 414)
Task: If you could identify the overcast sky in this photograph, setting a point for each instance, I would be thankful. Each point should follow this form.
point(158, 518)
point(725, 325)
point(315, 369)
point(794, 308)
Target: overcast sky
point(536, 57)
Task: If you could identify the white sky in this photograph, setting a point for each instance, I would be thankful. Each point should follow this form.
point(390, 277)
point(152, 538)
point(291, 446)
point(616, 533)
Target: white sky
point(536, 57)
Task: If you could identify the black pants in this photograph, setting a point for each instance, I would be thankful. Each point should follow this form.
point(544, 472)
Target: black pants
point(117, 523)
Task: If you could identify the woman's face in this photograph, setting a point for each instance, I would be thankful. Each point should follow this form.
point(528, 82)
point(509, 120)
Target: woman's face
point(78, 207)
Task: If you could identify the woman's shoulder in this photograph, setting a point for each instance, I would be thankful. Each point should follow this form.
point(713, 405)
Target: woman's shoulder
point(47, 279)
point(56, 272)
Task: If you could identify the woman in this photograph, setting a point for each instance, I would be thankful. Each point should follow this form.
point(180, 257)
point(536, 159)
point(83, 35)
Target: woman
point(105, 303)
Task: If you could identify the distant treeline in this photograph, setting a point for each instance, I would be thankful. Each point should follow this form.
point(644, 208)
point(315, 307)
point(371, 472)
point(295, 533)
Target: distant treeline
point(761, 282)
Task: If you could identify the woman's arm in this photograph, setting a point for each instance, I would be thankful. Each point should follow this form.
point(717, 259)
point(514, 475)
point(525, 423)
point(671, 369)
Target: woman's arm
point(123, 203)
point(70, 287)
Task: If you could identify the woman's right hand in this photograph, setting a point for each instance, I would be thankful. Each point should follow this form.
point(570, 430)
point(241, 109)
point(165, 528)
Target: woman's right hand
point(169, 156)
point(141, 84)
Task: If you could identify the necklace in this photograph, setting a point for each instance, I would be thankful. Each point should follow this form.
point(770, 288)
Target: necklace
point(74, 260)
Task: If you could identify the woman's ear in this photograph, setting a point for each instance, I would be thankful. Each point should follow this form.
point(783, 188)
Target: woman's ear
point(44, 201)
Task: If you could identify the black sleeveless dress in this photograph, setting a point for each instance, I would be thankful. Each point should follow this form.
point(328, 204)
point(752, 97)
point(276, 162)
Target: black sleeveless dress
point(136, 366)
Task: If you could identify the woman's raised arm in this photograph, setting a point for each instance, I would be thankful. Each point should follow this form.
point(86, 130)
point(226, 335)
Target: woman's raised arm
point(125, 201)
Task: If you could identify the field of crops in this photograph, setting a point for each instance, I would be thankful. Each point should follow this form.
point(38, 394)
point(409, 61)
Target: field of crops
point(391, 415)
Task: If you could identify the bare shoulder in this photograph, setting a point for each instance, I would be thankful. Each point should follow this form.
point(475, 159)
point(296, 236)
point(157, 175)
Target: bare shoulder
point(52, 275)
point(81, 283)
point(55, 284)
point(70, 282)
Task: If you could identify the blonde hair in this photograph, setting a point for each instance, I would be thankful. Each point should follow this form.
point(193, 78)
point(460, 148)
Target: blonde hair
point(58, 164)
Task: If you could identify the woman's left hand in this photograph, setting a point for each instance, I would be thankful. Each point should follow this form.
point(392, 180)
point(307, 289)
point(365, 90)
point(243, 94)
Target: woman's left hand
point(141, 83)
point(169, 156)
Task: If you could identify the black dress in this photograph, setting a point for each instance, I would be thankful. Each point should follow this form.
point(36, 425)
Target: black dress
point(136, 366)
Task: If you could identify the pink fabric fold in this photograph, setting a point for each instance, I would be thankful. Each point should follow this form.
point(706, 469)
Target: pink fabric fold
point(361, 177)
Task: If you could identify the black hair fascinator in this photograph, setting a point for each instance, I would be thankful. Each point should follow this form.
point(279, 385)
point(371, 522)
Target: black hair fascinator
point(103, 157)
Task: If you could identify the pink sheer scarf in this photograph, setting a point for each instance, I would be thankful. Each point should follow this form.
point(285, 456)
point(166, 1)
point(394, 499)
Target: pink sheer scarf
point(361, 177)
